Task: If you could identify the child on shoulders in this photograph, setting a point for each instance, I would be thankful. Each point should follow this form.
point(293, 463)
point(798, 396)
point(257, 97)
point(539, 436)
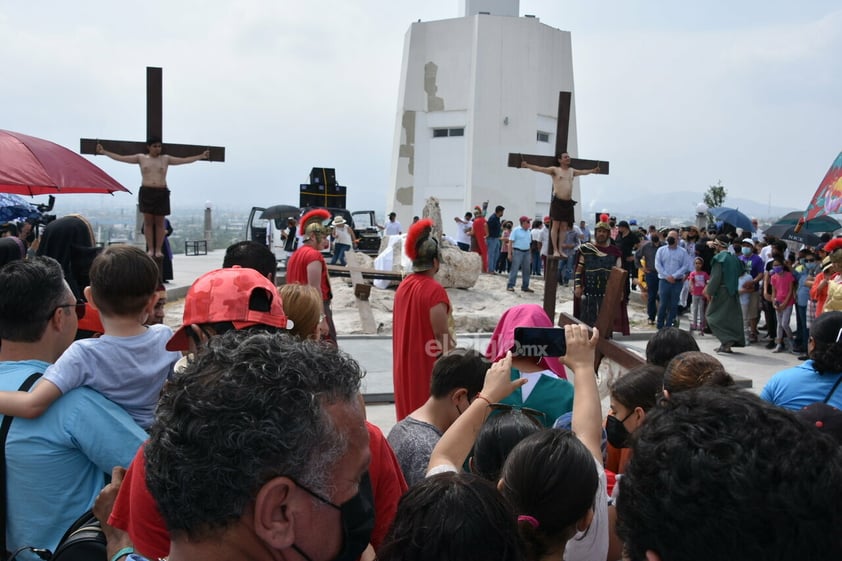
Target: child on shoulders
point(129, 363)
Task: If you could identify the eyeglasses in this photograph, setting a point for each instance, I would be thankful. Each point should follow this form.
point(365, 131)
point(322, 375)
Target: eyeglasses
point(79, 308)
point(539, 417)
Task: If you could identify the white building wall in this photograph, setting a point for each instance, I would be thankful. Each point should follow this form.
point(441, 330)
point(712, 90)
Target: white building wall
point(499, 78)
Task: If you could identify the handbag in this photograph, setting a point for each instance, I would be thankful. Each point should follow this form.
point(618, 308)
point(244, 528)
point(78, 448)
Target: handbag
point(83, 541)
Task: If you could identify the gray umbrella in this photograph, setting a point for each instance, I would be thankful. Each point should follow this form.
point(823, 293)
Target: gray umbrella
point(281, 211)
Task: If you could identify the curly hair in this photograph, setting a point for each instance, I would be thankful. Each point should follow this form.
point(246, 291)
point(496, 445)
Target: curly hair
point(31, 289)
point(825, 332)
point(431, 523)
point(693, 369)
point(551, 477)
point(250, 408)
point(667, 343)
point(717, 473)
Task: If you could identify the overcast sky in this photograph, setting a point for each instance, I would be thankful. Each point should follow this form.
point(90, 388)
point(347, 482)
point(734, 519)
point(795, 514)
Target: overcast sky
point(677, 95)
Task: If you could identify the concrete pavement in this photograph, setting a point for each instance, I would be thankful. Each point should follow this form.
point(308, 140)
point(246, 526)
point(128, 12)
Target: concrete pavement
point(374, 353)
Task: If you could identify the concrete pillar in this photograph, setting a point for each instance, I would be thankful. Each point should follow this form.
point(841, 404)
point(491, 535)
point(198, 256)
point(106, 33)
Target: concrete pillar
point(208, 224)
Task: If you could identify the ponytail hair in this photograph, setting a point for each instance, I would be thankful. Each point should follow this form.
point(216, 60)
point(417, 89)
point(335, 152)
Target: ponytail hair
point(826, 333)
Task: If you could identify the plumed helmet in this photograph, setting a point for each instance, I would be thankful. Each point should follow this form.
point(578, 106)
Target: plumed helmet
point(315, 222)
point(834, 250)
point(603, 223)
point(421, 246)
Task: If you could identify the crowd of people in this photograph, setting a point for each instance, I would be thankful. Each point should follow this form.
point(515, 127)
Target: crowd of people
point(242, 433)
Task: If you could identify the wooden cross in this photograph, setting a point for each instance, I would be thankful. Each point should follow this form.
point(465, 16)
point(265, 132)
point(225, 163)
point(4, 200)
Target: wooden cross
point(562, 132)
point(154, 129)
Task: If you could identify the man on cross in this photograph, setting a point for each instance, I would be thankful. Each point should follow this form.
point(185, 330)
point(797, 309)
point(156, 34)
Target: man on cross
point(154, 196)
point(562, 203)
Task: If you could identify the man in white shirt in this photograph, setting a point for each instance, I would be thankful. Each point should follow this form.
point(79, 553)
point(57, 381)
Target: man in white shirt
point(393, 227)
point(463, 239)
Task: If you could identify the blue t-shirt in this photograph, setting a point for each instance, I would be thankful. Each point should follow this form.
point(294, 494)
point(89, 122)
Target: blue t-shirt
point(520, 239)
point(494, 227)
point(129, 371)
point(56, 464)
point(799, 386)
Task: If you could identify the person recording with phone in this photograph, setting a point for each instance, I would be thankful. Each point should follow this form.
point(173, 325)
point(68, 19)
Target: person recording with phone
point(546, 389)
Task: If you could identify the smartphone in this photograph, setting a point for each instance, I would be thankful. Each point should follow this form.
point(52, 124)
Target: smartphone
point(539, 342)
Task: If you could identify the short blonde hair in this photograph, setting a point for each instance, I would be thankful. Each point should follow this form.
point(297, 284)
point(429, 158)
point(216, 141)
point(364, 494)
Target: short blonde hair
point(302, 304)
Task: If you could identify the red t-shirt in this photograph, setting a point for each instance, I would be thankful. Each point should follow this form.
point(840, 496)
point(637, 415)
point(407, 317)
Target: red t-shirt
point(387, 483)
point(414, 345)
point(135, 510)
point(297, 268)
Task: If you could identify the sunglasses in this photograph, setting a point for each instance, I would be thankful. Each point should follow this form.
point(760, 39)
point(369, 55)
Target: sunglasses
point(79, 308)
point(539, 417)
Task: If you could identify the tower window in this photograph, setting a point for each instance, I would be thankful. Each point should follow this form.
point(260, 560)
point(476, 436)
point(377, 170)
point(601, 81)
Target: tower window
point(442, 133)
point(543, 136)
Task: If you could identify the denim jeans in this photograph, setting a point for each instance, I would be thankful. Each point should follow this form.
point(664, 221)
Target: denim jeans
point(566, 266)
point(536, 261)
point(698, 312)
point(521, 260)
point(339, 250)
point(669, 293)
point(493, 253)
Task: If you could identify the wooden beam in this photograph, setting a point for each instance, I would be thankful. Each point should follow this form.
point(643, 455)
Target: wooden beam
point(154, 129)
point(551, 285)
point(340, 271)
point(549, 161)
point(155, 103)
point(128, 147)
point(607, 347)
point(363, 306)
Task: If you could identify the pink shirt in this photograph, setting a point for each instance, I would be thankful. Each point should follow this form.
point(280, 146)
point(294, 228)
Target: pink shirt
point(782, 283)
point(698, 280)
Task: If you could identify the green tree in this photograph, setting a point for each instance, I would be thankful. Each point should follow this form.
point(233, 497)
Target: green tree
point(715, 197)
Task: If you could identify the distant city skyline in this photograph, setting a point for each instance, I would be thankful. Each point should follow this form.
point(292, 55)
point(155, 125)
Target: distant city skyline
point(675, 95)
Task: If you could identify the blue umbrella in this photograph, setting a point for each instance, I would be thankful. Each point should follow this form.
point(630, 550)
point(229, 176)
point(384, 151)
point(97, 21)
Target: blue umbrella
point(15, 207)
point(733, 217)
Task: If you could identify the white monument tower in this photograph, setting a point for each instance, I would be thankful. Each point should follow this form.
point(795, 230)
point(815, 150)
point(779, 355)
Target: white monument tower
point(474, 89)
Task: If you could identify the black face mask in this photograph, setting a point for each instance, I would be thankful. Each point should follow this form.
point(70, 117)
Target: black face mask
point(357, 515)
point(671, 241)
point(616, 432)
point(655, 239)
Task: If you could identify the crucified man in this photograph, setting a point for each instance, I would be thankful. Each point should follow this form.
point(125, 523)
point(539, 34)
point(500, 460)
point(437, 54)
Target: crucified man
point(561, 206)
point(154, 196)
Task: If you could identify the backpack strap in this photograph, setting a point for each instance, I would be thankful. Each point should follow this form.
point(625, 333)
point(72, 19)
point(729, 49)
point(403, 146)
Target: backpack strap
point(4, 432)
point(833, 389)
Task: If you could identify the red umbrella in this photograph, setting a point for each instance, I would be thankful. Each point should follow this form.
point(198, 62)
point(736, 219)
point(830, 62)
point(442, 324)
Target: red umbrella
point(828, 197)
point(33, 166)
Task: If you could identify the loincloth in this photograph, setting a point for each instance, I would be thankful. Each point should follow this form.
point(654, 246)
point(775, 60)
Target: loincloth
point(154, 200)
point(561, 210)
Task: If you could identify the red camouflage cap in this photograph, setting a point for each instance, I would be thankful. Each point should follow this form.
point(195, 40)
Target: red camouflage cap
point(223, 295)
